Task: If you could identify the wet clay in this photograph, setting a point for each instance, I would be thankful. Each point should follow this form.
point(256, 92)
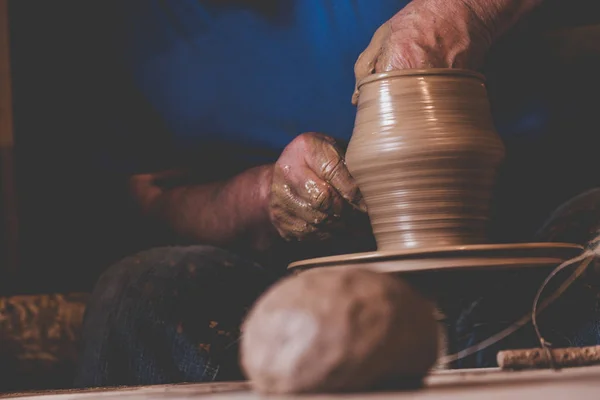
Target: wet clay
point(328, 330)
point(312, 192)
point(425, 154)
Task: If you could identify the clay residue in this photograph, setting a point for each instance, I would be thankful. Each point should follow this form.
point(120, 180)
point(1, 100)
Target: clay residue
point(311, 189)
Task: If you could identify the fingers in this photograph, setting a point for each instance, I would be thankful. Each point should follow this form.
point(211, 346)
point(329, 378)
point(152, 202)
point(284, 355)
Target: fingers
point(391, 59)
point(328, 164)
point(304, 205)
point(284, 202)
point(319, 195)
point(312, 189)
point(365, 64)
point(366, 60)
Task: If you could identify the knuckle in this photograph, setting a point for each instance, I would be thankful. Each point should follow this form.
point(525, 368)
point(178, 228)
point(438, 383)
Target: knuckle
point(319, 194)
point(304, 140)
point(400, 55)
point(332, 167)
point(322, 200)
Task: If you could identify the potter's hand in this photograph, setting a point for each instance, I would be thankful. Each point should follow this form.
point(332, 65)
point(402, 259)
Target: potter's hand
point(439, 34)
point(312, 190)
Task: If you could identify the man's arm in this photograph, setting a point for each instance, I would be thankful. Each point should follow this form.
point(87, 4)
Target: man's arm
point(220, 213)
point(307, 194)
point(440, 34)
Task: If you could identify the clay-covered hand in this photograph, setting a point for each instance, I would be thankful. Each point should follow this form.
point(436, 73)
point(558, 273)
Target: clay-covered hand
point(312, 191)
point(439, 34)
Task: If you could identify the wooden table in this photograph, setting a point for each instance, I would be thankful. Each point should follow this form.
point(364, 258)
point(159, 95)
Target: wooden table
point(489, 384)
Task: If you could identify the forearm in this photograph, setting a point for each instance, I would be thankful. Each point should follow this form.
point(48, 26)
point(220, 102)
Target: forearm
point(221, 214)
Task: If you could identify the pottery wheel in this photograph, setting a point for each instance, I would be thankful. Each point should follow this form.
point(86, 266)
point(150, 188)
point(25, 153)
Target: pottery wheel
point(451, 258)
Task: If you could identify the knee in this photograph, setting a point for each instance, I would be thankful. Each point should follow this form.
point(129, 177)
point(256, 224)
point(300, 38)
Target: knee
point(198, 275)
point(119, 278)
point(137, 307)
point(153, 287)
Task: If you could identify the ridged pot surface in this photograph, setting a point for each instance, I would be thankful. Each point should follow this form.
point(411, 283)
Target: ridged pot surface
point(425, 154)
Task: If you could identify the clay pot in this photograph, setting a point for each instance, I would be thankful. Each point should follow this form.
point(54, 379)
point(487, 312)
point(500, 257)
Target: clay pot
point(424, 153)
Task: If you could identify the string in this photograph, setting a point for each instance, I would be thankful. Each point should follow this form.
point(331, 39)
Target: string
point(591, 253)
point(586, 258)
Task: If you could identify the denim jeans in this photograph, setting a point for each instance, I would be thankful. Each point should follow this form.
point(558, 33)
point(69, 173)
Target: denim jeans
point(168, 315)
point(173, 314)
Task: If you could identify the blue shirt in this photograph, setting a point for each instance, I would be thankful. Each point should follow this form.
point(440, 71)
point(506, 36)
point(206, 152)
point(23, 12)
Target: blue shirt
point(222, 77)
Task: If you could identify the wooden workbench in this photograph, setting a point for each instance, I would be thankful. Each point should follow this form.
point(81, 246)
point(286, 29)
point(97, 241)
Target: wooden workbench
point(489, 384)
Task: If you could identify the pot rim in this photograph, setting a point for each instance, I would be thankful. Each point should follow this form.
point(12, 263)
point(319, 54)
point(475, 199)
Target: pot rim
point(421, 72)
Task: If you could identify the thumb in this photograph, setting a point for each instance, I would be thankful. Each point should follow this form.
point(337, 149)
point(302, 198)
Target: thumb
point(366, 61)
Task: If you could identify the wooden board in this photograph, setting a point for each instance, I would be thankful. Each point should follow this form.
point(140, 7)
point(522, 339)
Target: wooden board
point(489, 384)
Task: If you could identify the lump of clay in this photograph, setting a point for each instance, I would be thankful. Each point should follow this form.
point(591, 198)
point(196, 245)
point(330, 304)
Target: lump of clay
point(330, 330)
